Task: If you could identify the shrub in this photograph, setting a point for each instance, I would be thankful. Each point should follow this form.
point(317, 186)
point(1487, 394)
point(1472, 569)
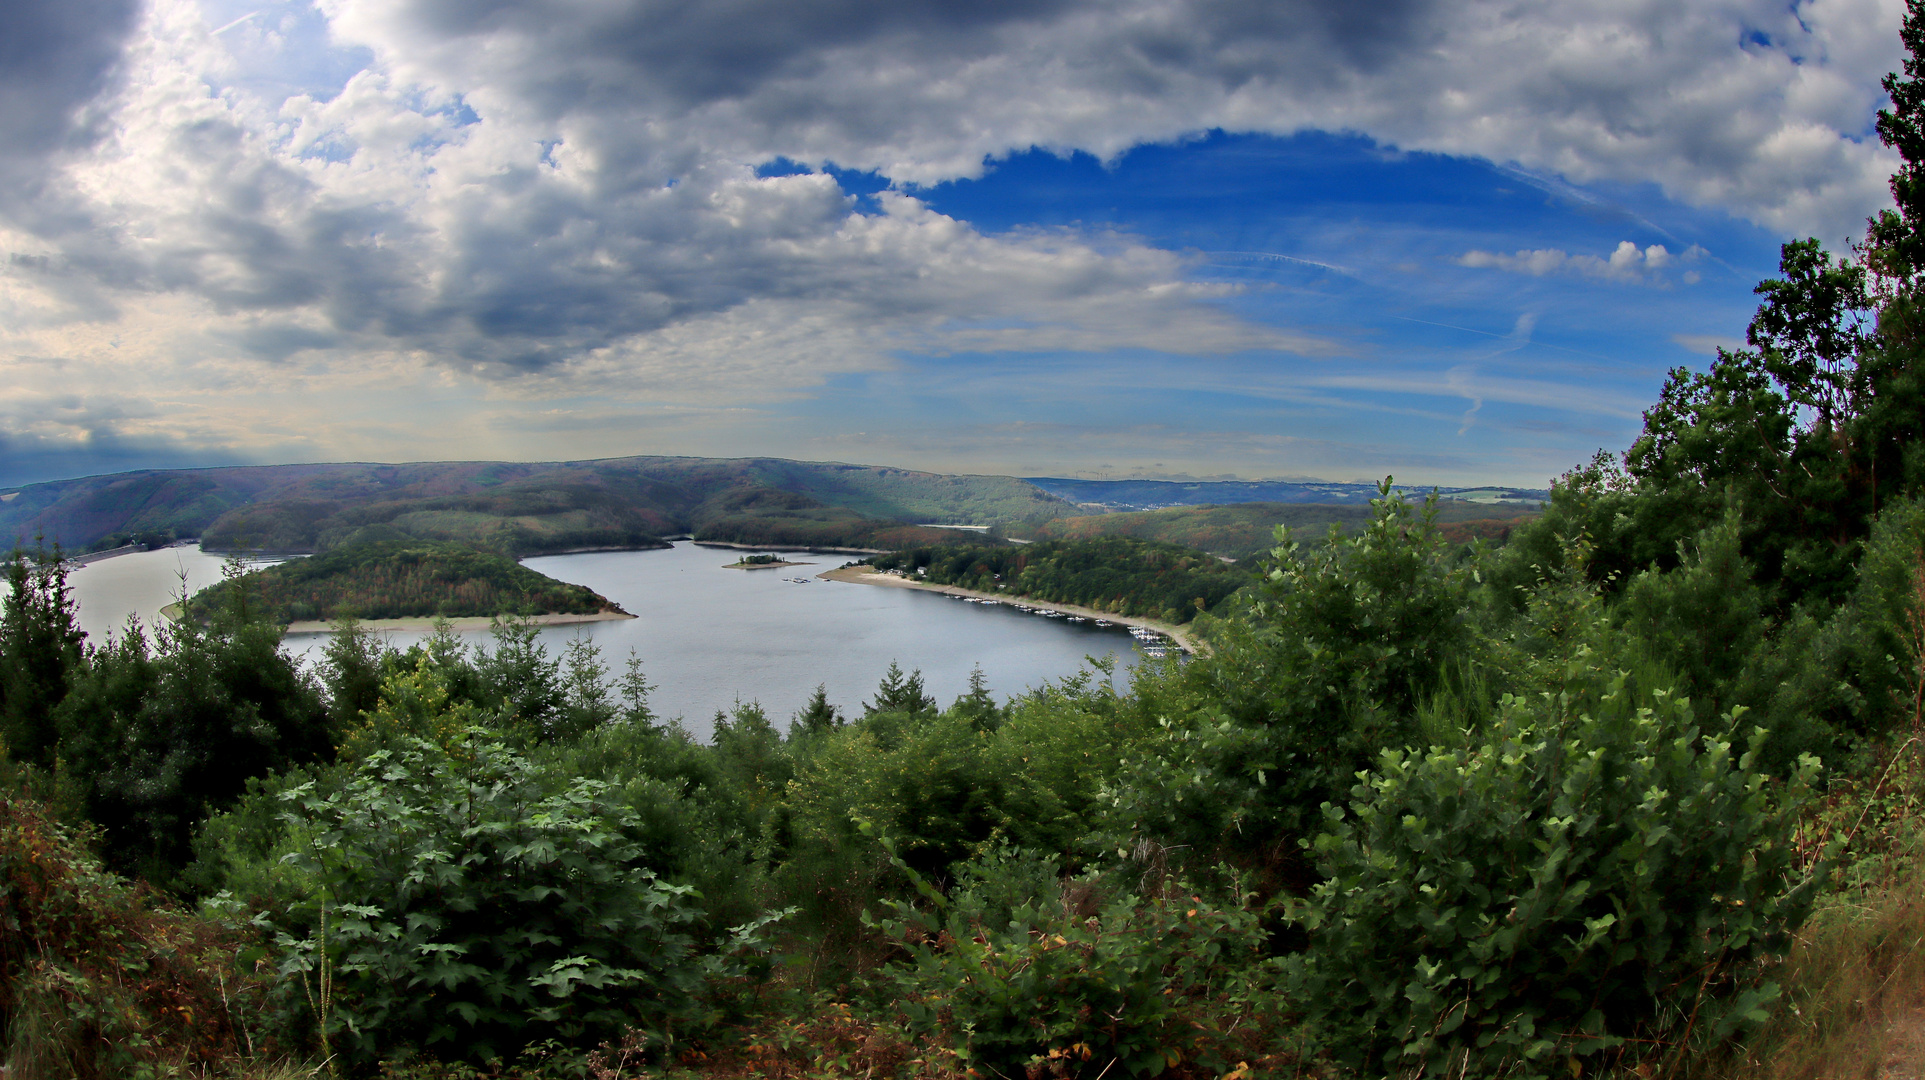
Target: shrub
point(1576, 881)
point(460, 901)
point(1341, 643)
point(1026, 974)
point(99, 978)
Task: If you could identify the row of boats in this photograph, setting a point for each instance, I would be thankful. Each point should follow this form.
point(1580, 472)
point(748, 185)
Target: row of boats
point(1154, 643)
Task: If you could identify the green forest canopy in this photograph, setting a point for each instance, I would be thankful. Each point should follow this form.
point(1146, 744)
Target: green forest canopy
point(396, 579)
point(522, 508)
point(1244, 530)
point(1114, 574)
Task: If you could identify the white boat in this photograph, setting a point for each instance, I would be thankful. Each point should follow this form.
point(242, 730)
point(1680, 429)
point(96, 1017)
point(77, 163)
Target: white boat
point(1077, 618)
point(1104, 622)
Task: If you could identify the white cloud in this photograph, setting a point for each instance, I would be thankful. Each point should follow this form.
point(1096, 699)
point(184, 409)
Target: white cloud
point(549, 198)
point(1744, 104)
point(1627, 262)
point(1709, 344)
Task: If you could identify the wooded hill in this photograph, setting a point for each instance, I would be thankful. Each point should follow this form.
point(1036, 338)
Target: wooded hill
point(395, 578)
point(1248, 529)
point(523, 508)
point(1116, 574)
point(1117, 495)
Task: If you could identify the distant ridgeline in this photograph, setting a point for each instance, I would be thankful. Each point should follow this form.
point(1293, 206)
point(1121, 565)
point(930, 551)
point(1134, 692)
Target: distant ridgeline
point(1245, 530)
point(1117, 574)
point(524, 508)
point(398, 579)
point(1155, 494)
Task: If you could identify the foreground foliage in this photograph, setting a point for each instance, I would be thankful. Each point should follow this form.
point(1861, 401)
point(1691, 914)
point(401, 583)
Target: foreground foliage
point(103, 978)
point(1595, 869)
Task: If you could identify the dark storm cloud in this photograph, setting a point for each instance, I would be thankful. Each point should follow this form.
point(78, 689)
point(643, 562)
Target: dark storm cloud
point(687, 54)
point(55, 57)
point(27, 460)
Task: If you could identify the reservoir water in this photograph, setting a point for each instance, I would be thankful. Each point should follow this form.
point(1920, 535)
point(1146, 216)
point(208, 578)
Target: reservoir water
point(709, 636)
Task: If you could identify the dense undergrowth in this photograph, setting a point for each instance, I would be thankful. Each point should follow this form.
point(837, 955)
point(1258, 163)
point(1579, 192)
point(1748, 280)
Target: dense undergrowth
point(1636, 792)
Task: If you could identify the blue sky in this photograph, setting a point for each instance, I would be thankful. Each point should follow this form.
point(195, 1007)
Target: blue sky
point(1461, 243)
point(1465, 372)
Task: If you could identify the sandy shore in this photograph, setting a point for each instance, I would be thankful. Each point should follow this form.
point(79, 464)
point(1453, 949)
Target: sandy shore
point(471, 622)
point(863, 575)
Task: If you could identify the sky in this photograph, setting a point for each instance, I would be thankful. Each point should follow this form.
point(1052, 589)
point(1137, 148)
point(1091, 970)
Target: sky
point(1456, 241)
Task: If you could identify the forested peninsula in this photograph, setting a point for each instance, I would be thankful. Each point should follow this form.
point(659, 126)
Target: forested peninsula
point(394, 579)
point(1635, 790)
point(1113, 575)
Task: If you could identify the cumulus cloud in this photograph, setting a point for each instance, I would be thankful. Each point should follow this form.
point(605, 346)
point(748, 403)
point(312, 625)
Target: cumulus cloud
point(1751, 105)
point(551, 197)
point(1627, 262)
point(55, 60)
point(1709, 344)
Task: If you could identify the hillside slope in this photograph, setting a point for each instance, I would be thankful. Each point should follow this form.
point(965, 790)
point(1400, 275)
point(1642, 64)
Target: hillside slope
point(1157, 494)
point(520, 508)
point(1248, 529)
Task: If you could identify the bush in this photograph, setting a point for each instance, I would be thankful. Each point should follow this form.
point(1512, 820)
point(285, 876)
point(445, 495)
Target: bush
point(98, 978)
point(460, 901)
point(1576, 881)
point(1343, 642)
point(1024, 973)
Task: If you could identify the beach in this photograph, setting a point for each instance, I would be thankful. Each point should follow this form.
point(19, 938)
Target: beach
point(470, 622)
point(864, 575)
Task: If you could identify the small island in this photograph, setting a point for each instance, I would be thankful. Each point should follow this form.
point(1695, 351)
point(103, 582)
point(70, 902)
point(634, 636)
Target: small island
point(391, 581)
point(761, 562)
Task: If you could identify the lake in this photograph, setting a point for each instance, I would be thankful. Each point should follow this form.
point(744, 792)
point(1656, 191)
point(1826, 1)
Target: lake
point(708, 636)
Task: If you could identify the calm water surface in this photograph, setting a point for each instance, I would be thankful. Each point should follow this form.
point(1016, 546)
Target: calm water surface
point(708, 637)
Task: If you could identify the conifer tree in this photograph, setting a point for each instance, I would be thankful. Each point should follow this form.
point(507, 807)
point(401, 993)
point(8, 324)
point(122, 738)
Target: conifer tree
point(978, 706)
point(818, 715)
point(40, 651)
point(899, 693)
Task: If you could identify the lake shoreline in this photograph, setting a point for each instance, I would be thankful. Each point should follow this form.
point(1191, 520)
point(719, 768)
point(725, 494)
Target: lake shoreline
point(863, 575)
point(709, 637)
point(465, 622)
point(803, 548)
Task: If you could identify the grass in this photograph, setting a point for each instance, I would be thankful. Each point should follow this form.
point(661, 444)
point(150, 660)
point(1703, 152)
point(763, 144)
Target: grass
point(1854, 980)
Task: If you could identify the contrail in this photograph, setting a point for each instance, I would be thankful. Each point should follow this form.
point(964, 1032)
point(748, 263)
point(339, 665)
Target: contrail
point(1508, 337)
point(233, 24)
point(1287, 258)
